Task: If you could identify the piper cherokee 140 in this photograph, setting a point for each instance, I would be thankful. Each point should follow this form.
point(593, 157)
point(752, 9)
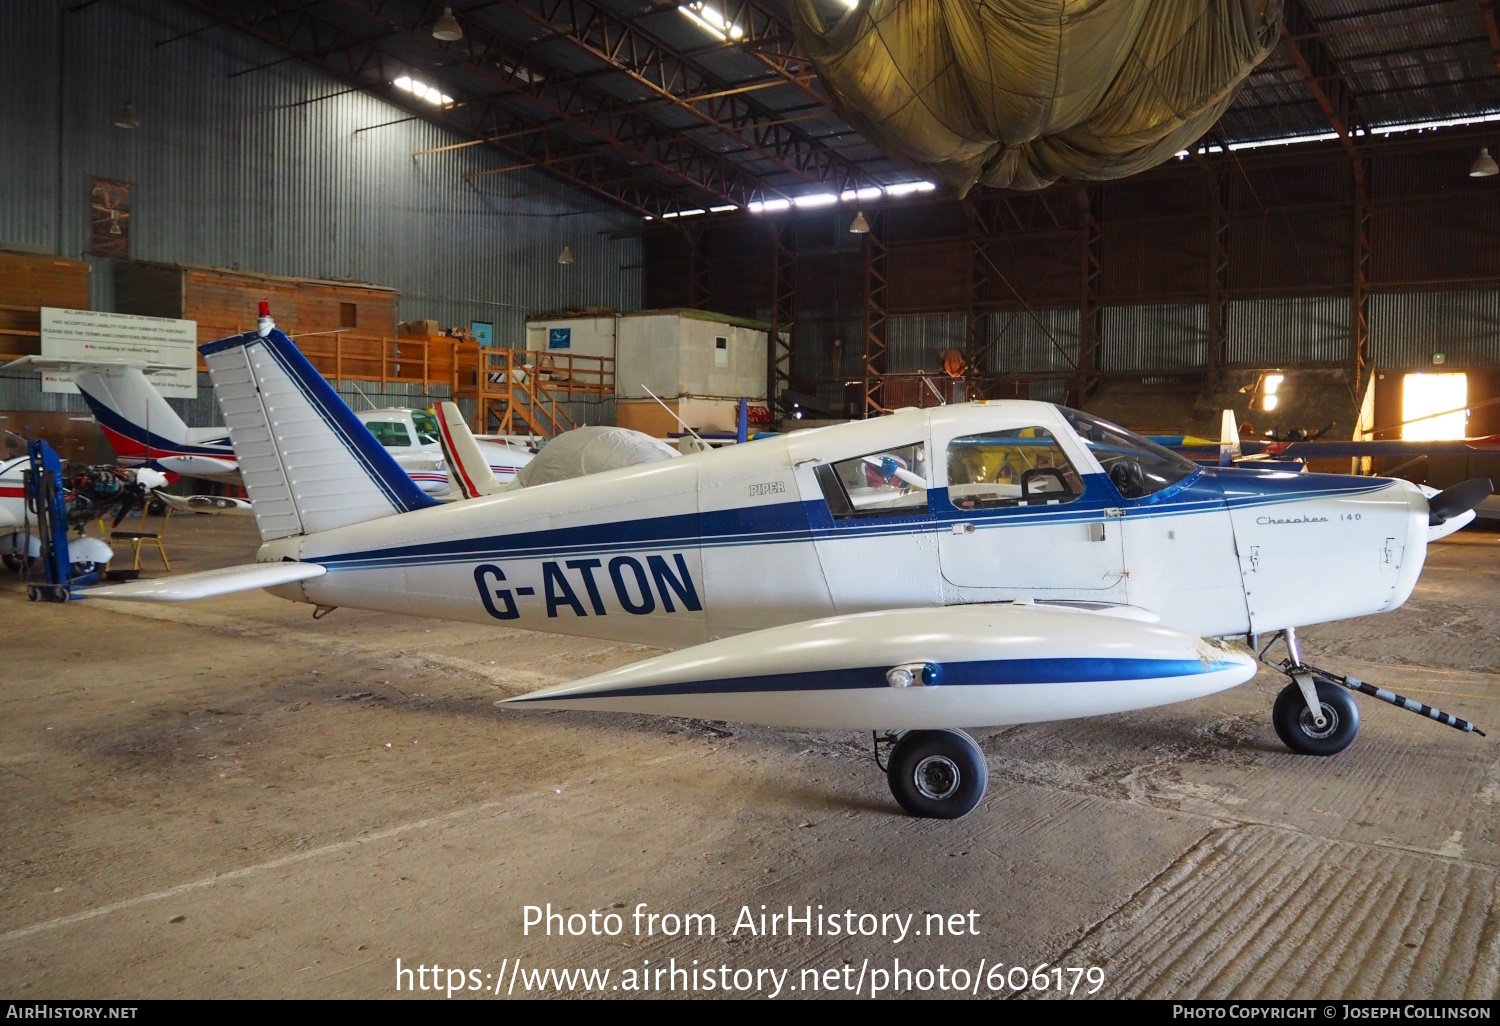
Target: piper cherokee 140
point(971, 565)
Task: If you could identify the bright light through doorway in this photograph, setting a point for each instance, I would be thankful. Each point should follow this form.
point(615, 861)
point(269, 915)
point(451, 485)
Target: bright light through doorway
point(1425, 394)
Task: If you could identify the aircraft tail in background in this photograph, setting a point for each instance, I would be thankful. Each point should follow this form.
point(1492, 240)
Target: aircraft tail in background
point(469, 473)
point(138, 422)
point(1229, 440)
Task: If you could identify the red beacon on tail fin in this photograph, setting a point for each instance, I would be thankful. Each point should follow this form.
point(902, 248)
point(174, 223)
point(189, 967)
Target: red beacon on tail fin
point(264, 325)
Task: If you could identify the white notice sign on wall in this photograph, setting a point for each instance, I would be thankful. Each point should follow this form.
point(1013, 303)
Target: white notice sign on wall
point(93, 334)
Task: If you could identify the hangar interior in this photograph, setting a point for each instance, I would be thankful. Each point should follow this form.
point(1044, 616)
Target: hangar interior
point(652, 216)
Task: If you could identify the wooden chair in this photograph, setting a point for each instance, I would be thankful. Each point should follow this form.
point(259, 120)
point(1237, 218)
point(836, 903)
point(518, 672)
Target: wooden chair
point(137, 538)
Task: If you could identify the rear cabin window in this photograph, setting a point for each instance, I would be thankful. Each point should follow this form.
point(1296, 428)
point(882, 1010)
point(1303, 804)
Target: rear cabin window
point(389, 432)
point(893, 482)
point(1019, 467)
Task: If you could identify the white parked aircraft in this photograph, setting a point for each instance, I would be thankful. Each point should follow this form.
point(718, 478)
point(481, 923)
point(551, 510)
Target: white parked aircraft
point(144, 430)
point(970, 565)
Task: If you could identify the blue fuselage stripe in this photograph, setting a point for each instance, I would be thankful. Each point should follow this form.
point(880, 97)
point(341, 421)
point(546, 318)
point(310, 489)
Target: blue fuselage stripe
point(791, 523)
point(982, 672)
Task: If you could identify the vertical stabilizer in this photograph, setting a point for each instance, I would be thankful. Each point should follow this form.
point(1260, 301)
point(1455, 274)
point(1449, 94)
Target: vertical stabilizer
point(469, 472)
point(1229, 440)
point(308, 464)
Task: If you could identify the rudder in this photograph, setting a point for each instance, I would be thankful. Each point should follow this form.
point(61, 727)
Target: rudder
point(307, 462)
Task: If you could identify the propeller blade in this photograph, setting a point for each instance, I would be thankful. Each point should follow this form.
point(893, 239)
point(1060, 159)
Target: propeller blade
point(1461, 498)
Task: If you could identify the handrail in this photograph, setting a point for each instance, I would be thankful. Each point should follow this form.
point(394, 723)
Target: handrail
point(521, 390)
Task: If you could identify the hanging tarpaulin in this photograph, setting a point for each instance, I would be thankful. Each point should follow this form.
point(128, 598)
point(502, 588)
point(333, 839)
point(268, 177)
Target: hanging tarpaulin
point(1019, 93)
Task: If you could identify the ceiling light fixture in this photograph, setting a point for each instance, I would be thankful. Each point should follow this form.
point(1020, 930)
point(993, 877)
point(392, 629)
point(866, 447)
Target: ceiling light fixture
point(1484, 165)
point(447, 27)
point(859, 226)
point(429, 93)
point(566, 256)
point(126, 118)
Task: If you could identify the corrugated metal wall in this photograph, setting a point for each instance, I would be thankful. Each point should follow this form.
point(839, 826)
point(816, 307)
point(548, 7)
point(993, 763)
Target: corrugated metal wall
point(1031, 341)
point(275, 171)
point(1406, 330)
point(1286, 330)
point(915, 343)
point(1154, 337)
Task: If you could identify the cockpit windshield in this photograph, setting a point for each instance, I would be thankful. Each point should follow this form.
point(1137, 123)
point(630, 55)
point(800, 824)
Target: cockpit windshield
point(426, 425)
point(1135, 466)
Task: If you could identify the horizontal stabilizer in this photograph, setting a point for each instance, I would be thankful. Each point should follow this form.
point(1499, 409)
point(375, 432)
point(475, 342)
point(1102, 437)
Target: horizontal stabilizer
point(210, 583)
point(67, 364)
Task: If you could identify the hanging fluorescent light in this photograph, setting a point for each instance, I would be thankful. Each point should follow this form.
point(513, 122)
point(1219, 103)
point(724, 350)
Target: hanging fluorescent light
point(566, 256)
point(447, 27)
point(1484, 165)
point(711, 21)
point(431, 94)
point(126, 117)
point(859, 226)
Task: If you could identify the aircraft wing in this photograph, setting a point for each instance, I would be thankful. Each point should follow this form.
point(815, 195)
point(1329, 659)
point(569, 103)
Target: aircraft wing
point(973, 665)
point(1392, 447)
point(210, 583)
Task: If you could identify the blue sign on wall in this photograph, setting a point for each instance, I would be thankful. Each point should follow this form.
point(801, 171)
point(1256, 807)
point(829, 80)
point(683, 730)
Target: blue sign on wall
point(483, 332)
point(559, 338)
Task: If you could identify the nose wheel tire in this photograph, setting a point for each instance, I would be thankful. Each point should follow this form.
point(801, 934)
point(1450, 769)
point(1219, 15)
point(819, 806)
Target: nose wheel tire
point(1299, 731)
point(937, 774)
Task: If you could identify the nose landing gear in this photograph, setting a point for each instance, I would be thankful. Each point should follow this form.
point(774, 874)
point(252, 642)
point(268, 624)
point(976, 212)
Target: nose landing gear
point(1316, 715)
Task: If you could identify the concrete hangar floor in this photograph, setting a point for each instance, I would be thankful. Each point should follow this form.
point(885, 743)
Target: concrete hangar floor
point(229, 798)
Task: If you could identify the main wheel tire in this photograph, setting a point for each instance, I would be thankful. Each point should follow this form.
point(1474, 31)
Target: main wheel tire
point(937, 774)
point(1295, 726)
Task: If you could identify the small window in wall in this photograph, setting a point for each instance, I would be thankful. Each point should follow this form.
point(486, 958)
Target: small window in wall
point(1020, 467)
point(889, 483)
point(389, 432)
point(1432, 407)
point(348, 315)
point(721, 351)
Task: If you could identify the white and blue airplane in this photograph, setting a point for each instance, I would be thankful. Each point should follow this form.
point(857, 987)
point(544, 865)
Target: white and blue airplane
point(144, 431)
point(970, 565)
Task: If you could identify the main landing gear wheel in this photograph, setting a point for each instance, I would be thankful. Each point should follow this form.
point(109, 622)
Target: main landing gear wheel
point(937, 774)
point(1299, 732)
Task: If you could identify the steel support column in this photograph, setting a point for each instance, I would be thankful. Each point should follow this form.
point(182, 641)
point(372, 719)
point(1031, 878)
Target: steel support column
point(700, 267)
point(1217, 181)
point(876, 252)
point(1090, 309)
point(1359, 309)
point(978, 317)
point(783, 309)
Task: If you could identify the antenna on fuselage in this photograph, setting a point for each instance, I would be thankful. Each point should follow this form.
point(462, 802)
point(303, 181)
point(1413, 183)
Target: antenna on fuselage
point(674, 416)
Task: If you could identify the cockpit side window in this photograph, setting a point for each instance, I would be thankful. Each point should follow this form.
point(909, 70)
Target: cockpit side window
point(389, 433)
point(1136, 467)
point(893, 482)
point(1019, 467)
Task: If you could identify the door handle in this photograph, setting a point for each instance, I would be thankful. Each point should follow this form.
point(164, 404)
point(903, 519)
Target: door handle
point(962, 528)
point(1096, 532)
